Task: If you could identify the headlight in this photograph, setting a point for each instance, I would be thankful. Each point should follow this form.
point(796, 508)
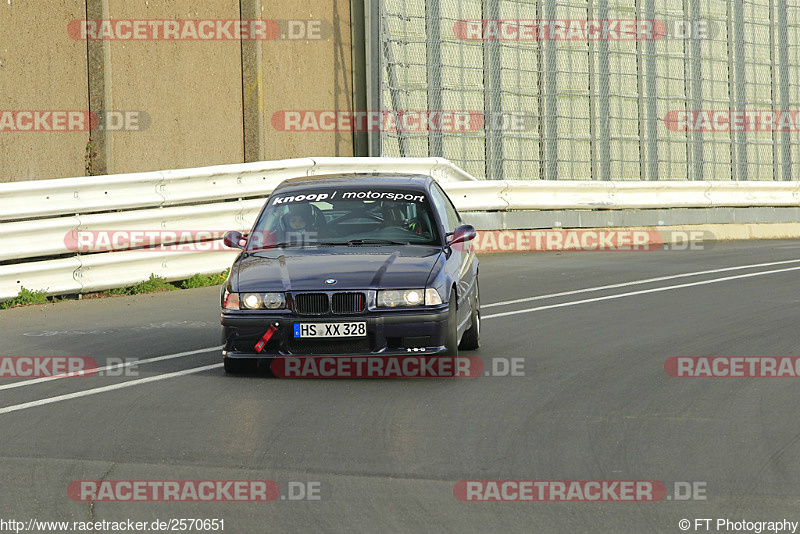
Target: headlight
point(393, 298)
point(255, 301)
point(251, 301)
point(274, 301)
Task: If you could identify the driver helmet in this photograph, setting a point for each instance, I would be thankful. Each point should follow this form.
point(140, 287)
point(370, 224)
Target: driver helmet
point(299, 218)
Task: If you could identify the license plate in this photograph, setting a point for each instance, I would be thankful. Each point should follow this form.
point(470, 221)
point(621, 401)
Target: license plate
point(357, 329)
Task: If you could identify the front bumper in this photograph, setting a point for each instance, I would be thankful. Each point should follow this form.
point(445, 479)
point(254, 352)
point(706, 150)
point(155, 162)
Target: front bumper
point(390, 333)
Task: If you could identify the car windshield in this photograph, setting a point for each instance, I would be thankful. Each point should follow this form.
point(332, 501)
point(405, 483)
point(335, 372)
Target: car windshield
point(345, 216)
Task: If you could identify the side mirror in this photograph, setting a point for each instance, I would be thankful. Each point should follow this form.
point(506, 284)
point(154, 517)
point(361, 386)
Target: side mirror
point(234, 240)
point(463, 234)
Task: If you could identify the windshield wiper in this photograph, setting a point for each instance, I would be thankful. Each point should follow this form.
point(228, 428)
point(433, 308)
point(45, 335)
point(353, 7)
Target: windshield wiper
point(276, 245)
point(352, 242)
point(375, 242)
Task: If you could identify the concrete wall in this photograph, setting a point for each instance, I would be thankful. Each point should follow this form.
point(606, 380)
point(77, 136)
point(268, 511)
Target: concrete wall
point(207, 102)
point(309, 75)
point(192, 91)
point(41, 68)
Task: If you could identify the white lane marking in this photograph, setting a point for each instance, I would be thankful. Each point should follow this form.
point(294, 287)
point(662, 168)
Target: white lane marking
point(642, 292)
point(634, 283)
point(107, 368)
point(86, 393)
point(151, 326)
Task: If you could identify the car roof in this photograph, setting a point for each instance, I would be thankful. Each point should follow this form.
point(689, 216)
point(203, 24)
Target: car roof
point(373, 179)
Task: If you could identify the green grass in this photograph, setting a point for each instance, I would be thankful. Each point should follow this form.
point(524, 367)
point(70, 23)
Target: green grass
point(205, 280)
point(25, 297)
point(154, 284)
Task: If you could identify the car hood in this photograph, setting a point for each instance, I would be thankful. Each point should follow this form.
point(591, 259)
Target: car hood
point(353, 267)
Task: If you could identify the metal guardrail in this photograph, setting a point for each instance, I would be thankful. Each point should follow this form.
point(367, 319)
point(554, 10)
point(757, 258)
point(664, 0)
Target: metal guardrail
point(41, 198)
point(500, 195)
point(37, 218)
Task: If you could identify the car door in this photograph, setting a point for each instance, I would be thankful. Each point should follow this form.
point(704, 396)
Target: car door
point(461, 263)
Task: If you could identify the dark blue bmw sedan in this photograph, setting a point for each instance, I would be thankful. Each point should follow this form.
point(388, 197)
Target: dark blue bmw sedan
point(361, 264)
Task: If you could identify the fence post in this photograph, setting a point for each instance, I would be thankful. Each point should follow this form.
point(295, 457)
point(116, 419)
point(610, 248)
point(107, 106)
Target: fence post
point(731, 87)
point(358, 26)
point(433, 29)
point(603, 107)
point(741, 97)
point(374, 38)
point(652, 97)
point(592, 104)
point(394, 90)
point(492, 102)
point(696, 91)
point(551, 97)
point(783, 60)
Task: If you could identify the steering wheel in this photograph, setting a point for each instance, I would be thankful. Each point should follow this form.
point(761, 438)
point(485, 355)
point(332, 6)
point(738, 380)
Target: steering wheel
point(415, 227)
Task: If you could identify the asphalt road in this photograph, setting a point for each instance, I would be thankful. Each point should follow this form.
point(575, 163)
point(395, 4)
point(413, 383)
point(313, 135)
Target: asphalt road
point(594, 404)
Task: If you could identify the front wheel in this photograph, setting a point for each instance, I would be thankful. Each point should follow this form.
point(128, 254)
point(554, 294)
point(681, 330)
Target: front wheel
point(451, 343)
point(472, 337)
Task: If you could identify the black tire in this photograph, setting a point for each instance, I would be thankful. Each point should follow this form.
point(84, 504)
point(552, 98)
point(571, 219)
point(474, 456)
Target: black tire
point(451, 343)
point(235, 366)
point(471, 340)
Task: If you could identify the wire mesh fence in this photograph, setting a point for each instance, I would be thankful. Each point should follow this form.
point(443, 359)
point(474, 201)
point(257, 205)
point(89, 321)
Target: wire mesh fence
point(597, 89)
